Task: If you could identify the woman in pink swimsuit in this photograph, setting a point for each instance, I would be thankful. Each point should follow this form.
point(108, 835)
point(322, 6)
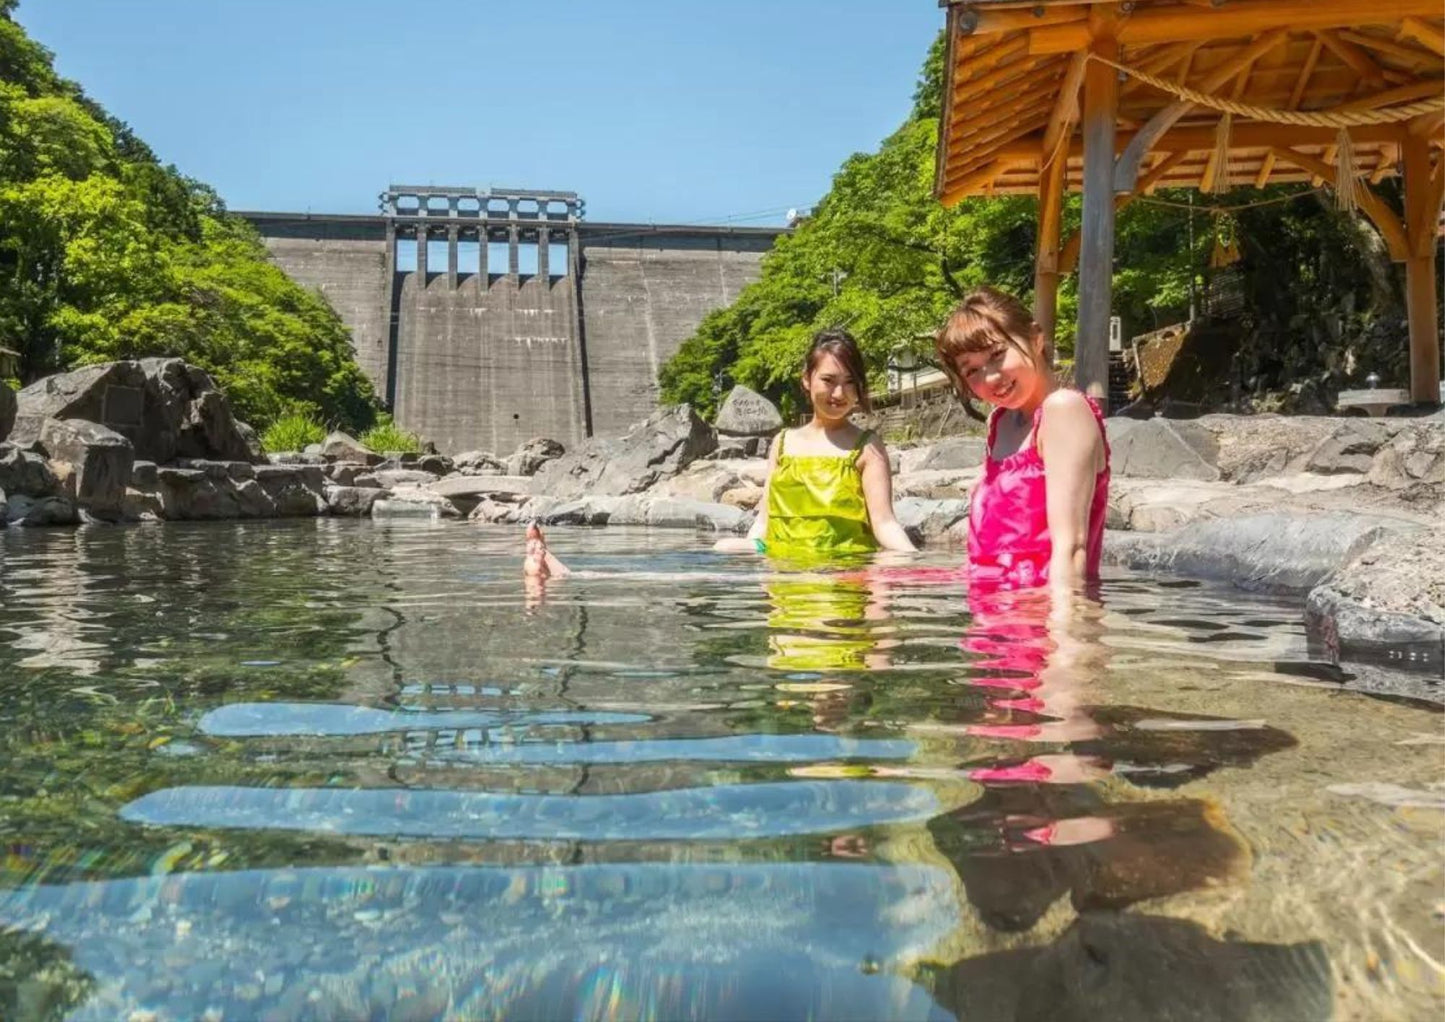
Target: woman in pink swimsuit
point(1037, 515)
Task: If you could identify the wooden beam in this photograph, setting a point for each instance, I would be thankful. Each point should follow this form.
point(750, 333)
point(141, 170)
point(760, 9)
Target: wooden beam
point(1356, 59)
point(1410, 56)
point(1426, 35)
point(977, 23)
point(1127, 171)
point(1422, 213)
point(1066, 107)
point(1046, 256)
point(1428, 125)
point(1391, 228)
point(1391, 97)
point(1149, 26)
point(979, 179)
point(1250, 135)
point(1296, 96)
point(1096, 273)
point(1384, 164)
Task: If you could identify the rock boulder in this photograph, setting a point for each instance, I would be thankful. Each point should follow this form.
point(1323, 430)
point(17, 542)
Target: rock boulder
point(95, 463)
point(1162, 449)
point(656, 449)
point(747, 413)
point(527, 459)
point(164, 407)
point(339, 446)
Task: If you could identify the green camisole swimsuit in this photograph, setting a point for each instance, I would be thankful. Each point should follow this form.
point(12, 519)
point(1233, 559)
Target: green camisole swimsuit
point(816, 506)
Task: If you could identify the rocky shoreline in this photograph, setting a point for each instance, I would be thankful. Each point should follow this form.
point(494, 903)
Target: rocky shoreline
point(1345, 513)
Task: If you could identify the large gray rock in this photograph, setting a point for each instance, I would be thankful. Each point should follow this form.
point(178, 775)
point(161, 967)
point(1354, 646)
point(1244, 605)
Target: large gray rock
point(26, 472)
point(958, 452)
point(8, 406)
point(532, 455)
point(93, 461)
point(164, 407)
point(1350, 448)
point(391, 478)
point(1162, 449)
point(747, 413)
point(23, 509)
point(352, 501)
point(476, 487)
point(474, 463)
point(294, 490)
point(696, 514)
point(339, 446)
point(1387, 604)
point(929, 519)
point(1264, 552)
point(659, 448)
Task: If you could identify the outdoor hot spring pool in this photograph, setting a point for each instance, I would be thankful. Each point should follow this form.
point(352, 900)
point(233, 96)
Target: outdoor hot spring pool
point(333, 769)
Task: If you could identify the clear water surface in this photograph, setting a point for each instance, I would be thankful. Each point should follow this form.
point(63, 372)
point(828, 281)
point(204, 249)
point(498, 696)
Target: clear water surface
point(330, 769)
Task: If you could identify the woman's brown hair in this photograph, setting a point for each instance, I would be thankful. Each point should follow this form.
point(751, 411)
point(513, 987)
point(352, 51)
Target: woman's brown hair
point(984, 320)
point(840, 344)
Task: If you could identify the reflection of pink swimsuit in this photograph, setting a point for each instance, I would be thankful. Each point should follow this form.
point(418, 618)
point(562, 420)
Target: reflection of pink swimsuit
point(1008, 522)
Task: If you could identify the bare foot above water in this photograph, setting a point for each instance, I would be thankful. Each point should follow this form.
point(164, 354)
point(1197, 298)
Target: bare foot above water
point(539, 563)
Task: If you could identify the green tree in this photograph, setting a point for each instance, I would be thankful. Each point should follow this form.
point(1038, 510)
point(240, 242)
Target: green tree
point(107, 254)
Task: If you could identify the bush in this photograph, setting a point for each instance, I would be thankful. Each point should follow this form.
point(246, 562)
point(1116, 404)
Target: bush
point(385, 436)
point(292, 432)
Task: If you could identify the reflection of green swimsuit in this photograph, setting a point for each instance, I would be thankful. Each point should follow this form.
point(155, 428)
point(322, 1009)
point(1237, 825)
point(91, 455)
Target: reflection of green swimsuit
point(816, 505)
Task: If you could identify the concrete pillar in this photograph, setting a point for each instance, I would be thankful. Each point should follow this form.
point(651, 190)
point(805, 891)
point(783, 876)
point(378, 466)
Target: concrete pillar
point(393, 320)
point(543, 255)
point(1096, 256)
point(513, 259)
point(482, 269)
point(574, 281)
point(452, 258)
point(421, 268)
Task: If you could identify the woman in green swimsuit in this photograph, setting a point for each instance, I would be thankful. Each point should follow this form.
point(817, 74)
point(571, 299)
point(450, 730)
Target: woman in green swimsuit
point(829, 493)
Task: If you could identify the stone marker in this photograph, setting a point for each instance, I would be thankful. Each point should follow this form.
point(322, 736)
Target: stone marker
point(747, 413)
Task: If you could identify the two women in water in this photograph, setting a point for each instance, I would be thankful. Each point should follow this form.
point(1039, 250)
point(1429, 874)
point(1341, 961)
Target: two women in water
point(1037, 513)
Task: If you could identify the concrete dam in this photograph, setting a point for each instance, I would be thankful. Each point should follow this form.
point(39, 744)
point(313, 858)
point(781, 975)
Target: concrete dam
point(487, 317)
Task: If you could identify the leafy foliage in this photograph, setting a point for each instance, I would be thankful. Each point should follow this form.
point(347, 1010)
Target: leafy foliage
point(880, 256)
point(106, 254)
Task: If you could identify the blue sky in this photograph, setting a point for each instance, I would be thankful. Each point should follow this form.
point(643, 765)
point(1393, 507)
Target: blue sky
point(653, 110)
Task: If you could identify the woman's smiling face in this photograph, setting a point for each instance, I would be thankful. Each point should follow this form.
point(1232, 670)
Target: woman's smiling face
point(1004, 375)
point(831, 388)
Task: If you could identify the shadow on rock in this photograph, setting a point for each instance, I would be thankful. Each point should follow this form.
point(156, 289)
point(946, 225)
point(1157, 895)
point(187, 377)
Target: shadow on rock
point(1019, 849)
point(1125, 967)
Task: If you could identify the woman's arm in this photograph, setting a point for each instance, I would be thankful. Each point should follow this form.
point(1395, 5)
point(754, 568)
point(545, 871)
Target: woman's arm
point(759, 530)
point(1070, 446)
point(878, 495)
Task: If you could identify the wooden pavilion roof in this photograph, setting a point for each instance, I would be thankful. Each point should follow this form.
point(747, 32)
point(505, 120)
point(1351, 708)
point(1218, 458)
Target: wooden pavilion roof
point(1015, 68)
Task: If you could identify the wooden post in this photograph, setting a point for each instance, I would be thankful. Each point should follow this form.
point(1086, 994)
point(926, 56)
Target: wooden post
point(1420, 222)
point(1096, 257)
point(1046, 260)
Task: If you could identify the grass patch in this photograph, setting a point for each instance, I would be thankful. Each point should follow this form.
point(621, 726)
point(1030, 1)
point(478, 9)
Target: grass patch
point(292, 432)
point(386, 436)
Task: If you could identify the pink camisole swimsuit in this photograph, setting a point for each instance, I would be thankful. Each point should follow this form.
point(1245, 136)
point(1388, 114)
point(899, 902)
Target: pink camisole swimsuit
point(1008, 523)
